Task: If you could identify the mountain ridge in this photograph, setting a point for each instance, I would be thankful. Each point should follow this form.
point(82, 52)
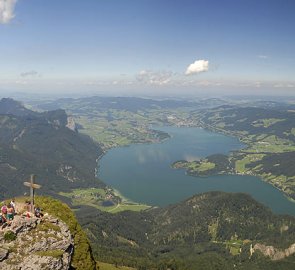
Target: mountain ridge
point(40, 143)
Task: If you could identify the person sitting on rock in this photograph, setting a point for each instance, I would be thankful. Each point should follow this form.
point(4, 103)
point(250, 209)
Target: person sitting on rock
point(29, 214)
point(3, 221)
point(12, 203)
point(27, 210)
point(28, 206)
point(10, 212)
point(38, 212)
point(4, 210)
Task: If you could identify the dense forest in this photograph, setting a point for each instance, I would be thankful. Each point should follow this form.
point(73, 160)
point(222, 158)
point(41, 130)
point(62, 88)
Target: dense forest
point(250, 120)
point(212, 230)
point(277, 164)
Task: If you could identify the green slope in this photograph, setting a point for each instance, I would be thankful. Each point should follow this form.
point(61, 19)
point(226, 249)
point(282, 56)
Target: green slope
point(41, 144)
point(82, 257)
point(211, 231)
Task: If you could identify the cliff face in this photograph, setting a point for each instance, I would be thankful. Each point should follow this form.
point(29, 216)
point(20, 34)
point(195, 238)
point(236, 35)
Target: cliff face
point(274, 253)
point(33, 243)
point(82, 258)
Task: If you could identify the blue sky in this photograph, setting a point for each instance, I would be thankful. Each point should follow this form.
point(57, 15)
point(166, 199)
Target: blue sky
point(148, 46)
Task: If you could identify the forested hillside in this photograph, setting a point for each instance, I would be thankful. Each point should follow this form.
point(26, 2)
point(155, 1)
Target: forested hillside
point(213, 230)
point(40, 143)
point(250, 120)
point(269, 135)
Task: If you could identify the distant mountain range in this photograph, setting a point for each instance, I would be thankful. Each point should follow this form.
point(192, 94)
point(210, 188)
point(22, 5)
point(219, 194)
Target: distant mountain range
point(41, 144)
point(134, 104)
point(131, 104)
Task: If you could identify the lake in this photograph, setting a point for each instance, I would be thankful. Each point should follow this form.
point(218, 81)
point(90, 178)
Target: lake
point(142, 172)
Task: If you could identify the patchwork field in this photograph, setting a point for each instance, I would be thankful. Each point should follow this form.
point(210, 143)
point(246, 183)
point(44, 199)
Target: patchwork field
point(103, 199)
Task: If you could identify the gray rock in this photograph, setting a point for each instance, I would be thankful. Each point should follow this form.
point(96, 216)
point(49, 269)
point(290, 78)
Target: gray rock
point(274, 253)
point(3, 254)
point(39, 244)
point(34, 262)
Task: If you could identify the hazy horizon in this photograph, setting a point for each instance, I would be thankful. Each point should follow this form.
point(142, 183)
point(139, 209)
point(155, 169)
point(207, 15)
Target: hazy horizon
point(147, 48)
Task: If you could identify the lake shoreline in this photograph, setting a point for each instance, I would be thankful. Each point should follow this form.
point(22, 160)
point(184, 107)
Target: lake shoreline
point(134, 195)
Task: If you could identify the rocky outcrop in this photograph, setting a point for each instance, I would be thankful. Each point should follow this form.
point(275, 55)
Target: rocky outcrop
point(32, 244)
point(3, 254)
point(274, 253)
point(67, 172)
point(71, 123)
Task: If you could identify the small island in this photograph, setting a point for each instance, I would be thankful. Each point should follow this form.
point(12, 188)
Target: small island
point(212, 165)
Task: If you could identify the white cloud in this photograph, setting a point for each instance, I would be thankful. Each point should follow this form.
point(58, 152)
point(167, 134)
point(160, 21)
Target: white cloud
point(261, 56)
point(258, 84)
point(154, 78)
point(7, 10)
point(21, 82)
point(284, 85)
point(31, 73)
point(108, 82)
point(197, 67)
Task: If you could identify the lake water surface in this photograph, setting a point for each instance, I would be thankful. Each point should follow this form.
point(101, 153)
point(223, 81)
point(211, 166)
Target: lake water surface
point(142, 172)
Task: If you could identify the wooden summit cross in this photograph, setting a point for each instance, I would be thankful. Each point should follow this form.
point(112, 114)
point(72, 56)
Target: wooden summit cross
point(32, 187)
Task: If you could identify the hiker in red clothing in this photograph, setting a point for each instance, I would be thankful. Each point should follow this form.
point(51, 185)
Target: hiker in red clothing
point(4, 210)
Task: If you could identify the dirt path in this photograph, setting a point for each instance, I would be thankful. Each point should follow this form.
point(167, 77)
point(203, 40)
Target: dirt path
point(117, 206)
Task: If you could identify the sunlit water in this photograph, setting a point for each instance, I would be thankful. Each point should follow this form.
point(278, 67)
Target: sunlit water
point(143, 172)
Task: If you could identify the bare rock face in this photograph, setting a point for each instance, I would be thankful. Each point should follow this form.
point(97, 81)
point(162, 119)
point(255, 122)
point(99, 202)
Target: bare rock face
point(274, 253)
point(32, 244)
point(71, 124)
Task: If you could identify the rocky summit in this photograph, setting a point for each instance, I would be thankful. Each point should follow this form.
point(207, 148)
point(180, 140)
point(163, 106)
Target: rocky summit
point(30, 243)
